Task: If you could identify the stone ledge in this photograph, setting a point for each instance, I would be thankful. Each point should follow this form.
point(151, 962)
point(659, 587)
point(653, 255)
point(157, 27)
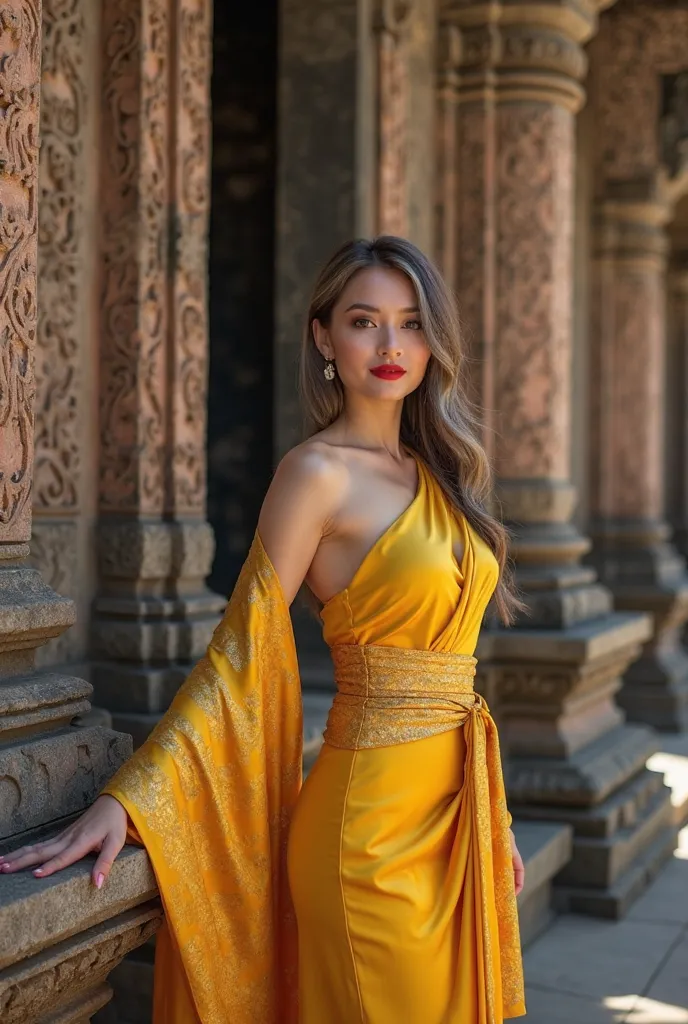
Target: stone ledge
point(68, 972)
point(50, 776)
point(576, 644)
point(38, 913)
point(587, 777)
point(615, 901)
point(41, 703)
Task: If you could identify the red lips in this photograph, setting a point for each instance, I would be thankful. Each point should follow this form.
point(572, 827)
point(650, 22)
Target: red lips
point(388, 371)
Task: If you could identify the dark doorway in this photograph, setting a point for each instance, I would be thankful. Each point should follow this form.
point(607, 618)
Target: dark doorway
point(241, 267)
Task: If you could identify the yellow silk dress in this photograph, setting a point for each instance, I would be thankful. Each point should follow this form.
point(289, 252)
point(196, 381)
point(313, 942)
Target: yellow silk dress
point(382, 890)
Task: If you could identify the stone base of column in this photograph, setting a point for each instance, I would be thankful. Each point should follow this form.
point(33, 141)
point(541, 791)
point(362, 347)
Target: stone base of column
point(154, 616)
point(645, 573)
point(573, 759)
point(59, 937)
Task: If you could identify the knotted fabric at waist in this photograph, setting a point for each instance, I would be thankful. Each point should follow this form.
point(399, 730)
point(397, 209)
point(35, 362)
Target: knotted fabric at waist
point(389, 695)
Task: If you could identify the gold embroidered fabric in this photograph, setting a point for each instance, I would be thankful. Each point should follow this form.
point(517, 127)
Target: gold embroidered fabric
point(210, 794)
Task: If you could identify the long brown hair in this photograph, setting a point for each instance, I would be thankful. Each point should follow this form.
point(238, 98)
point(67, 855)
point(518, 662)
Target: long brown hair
point(438, 421)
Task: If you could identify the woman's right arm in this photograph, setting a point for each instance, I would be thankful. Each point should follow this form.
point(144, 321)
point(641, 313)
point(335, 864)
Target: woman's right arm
point(302, 497)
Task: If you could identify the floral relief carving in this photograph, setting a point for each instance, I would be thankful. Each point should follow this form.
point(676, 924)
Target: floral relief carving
point(155, 184)
point(189, 314)
point(135, 195)
point(20, 34)
point(534, 174)
point(60, 238)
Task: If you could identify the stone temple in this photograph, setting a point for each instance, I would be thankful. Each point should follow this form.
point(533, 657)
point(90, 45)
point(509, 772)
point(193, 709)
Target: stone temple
point(171, 177)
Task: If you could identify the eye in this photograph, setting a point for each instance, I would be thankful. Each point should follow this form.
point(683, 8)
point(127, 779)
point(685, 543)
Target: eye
point(413, 325)
point(362, 321)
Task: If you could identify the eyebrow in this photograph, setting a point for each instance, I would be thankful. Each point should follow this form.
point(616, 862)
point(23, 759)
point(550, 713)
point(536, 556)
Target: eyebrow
point(374, 309)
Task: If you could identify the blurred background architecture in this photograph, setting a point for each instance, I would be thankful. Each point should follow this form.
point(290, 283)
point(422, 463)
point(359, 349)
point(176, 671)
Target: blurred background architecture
point(171, 178)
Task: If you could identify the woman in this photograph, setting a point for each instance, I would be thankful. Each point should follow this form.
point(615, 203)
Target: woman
point(396, 856)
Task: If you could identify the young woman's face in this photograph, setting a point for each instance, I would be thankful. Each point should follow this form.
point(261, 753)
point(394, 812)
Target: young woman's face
point(375, 335)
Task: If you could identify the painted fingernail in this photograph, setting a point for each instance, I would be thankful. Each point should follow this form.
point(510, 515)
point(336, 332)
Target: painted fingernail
point(99, 880)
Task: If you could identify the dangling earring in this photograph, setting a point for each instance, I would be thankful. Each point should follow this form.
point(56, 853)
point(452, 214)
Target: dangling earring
point(329, 370)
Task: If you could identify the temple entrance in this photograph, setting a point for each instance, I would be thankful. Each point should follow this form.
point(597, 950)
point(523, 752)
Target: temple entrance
point(241, 273)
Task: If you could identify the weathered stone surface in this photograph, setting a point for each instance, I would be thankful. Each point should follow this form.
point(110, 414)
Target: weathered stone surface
point(46, 777)
point(616, 900)
point(602, 861)
point(587, 777)
point(80, 1011)
point(30, 613)
point(37, 913)
point(41, 703)
point(32, 989)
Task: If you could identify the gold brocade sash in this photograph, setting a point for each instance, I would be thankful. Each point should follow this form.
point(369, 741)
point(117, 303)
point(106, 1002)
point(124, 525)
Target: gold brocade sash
point(391, 695)
point(388, 695)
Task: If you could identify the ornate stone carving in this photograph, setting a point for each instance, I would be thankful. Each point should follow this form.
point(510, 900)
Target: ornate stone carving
point(20, 34)
point(155, 171)
point(533, 288)
point(32, 988)
point(135, 244)
point(636, 45)
point(189, 316)
point(391, 21)
point(59, 358)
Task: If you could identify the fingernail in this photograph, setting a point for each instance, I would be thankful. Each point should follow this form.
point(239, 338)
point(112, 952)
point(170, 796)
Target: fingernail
point(38, 871)
point(99, 880)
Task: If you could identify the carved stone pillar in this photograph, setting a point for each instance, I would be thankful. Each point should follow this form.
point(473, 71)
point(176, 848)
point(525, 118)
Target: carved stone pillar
point(640, 171)
point(517, 71)
point(153, 616)
point(678, 379)
point(49, 770)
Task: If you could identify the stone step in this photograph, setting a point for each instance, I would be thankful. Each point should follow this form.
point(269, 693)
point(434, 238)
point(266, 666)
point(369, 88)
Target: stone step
point(620, 810)
point(545, 849)
point(585, 778)
point(615, 901)
point(600, 862)
point(82, 1009)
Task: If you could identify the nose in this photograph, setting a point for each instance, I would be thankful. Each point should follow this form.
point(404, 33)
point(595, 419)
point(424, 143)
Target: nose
point(389, 346)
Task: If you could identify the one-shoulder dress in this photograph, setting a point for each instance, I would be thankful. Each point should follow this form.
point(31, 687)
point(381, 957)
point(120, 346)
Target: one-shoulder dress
point(381, 891)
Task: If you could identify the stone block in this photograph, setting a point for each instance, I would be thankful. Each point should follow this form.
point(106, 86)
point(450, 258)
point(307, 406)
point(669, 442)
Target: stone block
point(616, 900)
point(40, 703)
point(138, 689)
point(49, 776)
point(30, 613)
point(38, 913)
point(67, 973)
point(602, 861)
point(585, 778)
point(152, 639)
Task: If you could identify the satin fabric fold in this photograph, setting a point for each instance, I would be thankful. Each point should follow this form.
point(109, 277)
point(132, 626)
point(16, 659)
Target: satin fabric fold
point(388, 695)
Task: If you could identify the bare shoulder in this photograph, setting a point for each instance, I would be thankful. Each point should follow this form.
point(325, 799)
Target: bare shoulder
point(307, 489)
